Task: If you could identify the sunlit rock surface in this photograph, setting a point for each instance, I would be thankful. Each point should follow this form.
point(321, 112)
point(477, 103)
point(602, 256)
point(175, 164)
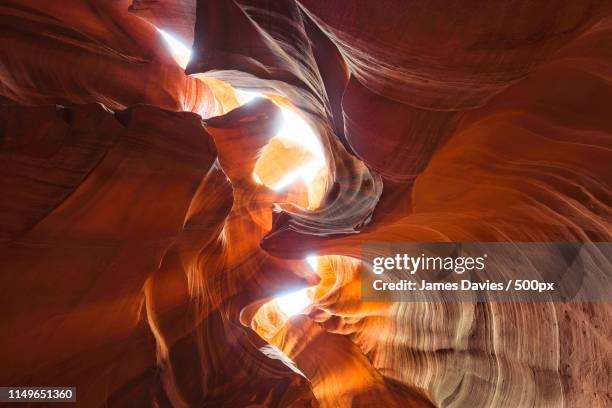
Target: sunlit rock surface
point(142, 246)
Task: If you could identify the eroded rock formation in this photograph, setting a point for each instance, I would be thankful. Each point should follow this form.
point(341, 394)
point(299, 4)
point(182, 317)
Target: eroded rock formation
point(140, 251)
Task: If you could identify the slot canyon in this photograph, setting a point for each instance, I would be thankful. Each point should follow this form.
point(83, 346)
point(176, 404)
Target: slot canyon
point(186, 187)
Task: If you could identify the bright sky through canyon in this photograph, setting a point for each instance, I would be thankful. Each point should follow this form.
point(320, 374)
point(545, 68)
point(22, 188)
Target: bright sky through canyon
point(294, 129)
point(294, 302)
point(200, 201)
point(180, 52)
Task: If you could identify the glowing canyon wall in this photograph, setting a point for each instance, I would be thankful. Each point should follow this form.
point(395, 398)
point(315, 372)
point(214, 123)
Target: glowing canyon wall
point(141, 243)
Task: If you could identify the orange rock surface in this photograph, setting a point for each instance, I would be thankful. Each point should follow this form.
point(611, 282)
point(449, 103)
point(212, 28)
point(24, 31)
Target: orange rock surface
point(142, 248)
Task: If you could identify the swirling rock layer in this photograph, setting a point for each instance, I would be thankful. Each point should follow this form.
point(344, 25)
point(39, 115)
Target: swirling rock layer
point(139, 253)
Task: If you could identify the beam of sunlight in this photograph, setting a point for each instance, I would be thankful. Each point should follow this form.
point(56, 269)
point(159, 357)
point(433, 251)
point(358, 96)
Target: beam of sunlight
point(180, 52)
point(245, 97)
point(313, 261)
point(288, 179)
point(295, 129)
point(294, 302)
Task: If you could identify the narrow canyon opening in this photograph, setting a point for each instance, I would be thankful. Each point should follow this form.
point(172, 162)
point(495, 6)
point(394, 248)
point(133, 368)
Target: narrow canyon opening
point(239, 203)
point(293, 155)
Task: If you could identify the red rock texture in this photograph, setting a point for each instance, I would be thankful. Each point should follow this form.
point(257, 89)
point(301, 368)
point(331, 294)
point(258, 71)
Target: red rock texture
point(138, 252)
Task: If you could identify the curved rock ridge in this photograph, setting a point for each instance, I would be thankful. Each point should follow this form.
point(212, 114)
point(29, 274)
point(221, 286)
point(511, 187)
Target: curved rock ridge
point(146, 274)
point(528, 166)
point(79, 52)
point(270, 44)
point(141, 254)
